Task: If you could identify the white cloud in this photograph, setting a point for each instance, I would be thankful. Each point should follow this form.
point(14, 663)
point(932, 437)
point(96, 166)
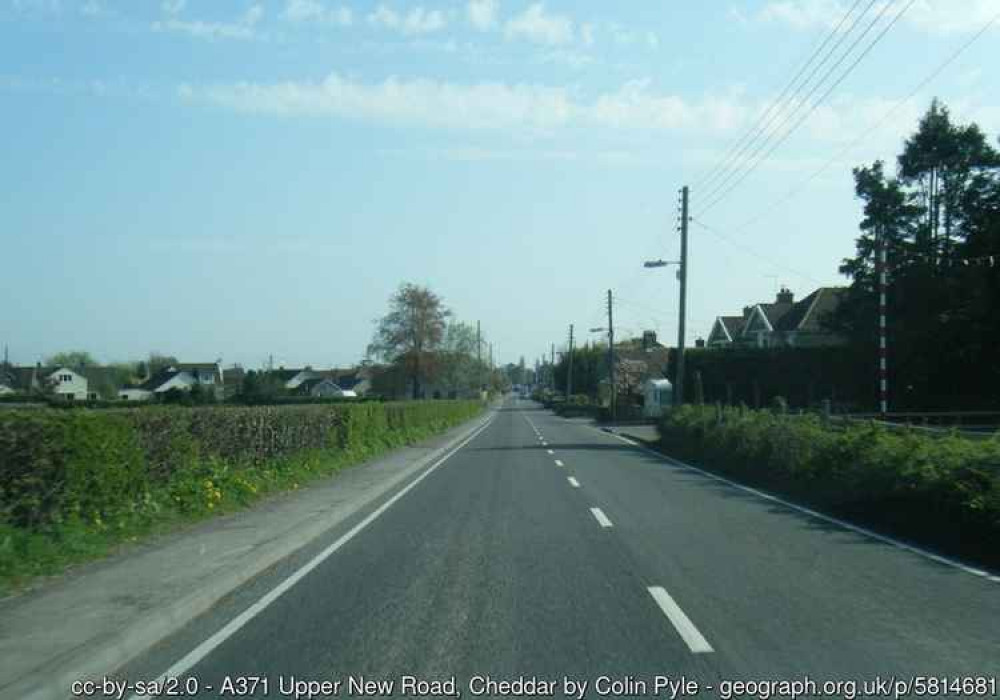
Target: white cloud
point(623, 36)
point(416, 21)
point(482, 13)
point(243, 28)
point(478, 154)
point(535, 24)
point(315, 11)
point(419, 101)
point(933, 16)
point(173, 7)
point(428, 102)
point(92, 8)
point(633, 108)
point(587, 32)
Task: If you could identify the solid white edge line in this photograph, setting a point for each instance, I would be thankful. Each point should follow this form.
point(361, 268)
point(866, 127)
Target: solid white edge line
point(559, 463)
point(681, 622)
point(209, 645)
point(573, 482)
point(820, 516)
point(601, 518)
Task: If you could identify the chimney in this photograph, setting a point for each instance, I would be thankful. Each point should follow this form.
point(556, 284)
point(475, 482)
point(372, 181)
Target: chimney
point(699, 342)
point(785, 296)
point(648, 340)
point(747, 310)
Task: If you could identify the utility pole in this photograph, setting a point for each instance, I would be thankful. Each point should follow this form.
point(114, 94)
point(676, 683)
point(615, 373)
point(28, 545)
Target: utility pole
point(479, 356)
point(552, 368)
point(613, 401)
point(883, 372)
point(682, 276)
point(569, 374)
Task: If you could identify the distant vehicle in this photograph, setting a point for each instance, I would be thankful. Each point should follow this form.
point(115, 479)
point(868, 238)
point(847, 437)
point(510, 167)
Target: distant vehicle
point(658, 396)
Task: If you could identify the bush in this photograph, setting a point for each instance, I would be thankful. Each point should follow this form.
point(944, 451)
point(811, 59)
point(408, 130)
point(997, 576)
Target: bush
point(943, 491)
point(56, 466)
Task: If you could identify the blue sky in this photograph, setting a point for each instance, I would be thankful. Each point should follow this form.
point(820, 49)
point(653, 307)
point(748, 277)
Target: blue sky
point(236, 179)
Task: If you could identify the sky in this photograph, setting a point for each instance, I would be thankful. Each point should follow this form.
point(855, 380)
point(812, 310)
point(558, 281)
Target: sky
point(239, 179)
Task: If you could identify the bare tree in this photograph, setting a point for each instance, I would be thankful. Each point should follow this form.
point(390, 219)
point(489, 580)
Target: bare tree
point(411, 332)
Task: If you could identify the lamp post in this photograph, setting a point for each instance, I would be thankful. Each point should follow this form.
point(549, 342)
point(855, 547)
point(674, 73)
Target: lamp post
point(679, 377)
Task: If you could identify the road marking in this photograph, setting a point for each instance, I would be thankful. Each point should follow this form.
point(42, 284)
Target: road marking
point(551, 452)
point(602, 519)
point(559, 463)
point(573, 482)
point(912, 549)
point(234, 625)
point(681, 622)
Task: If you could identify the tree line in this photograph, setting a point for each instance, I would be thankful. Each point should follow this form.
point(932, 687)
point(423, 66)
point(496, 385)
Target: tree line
point(939, 219)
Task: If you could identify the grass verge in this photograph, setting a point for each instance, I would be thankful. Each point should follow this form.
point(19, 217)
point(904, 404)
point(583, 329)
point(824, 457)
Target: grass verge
point(202, 488)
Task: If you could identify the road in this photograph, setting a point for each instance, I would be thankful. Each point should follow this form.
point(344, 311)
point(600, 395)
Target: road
point(546, 548)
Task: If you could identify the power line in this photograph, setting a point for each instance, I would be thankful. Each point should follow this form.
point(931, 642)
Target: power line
point(797, 101)
point(820, 101)
point(740, 146)
point(878, 125)
point(751, 252)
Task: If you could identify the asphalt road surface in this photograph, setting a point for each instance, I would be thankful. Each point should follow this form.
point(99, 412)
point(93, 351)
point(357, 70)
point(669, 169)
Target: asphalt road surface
point(545, 549)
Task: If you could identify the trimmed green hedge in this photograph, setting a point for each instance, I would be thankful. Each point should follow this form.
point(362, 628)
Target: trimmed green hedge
point(73, 484)
point(944, 492)
point(58, 464)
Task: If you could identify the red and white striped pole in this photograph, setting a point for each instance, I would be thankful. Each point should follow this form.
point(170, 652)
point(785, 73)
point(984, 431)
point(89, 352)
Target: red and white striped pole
point(883, 374)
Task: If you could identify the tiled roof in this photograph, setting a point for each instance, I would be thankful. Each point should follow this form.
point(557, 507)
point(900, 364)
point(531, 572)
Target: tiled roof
point(158, 379)
point(807, 314)
point(733, 324)
point(187, 366)
point(775, 312)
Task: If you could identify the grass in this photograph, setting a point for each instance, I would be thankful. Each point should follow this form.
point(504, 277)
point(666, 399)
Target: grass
point(208, 488)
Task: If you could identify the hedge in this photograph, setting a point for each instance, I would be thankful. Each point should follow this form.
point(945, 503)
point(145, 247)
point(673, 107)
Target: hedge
point(943, 492)
point(99, 467)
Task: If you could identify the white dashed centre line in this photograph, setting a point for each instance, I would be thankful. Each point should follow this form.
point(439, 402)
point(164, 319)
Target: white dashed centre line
point(559, 463)
point(573, 482)
point(601, 518)
point(681, 622)
point(551, 452)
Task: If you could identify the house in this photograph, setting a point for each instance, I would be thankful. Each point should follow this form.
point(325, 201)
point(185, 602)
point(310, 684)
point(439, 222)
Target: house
point(182, 376)
point(725, 331)
point(62, 382)
point(358, 381)
point(803, 325)
point(87, 383)
point(782, 323)
point(324, 387)
point(637, 360)
point(292, 379)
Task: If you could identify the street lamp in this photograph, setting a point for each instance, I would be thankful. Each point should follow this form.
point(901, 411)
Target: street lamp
point(679, 377)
